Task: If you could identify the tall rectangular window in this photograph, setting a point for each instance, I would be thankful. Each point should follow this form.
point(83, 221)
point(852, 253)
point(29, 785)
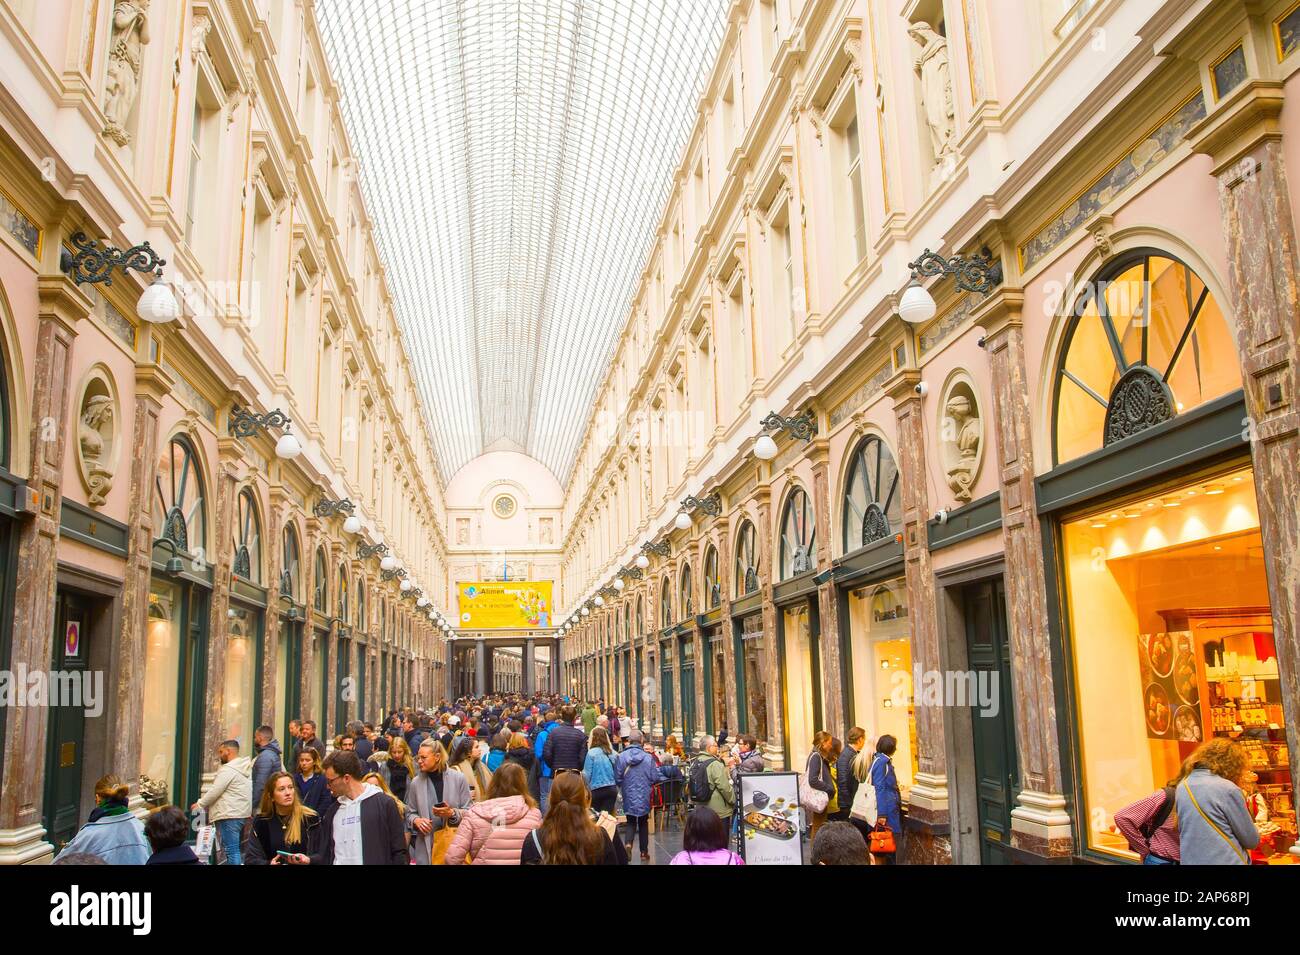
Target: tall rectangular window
point(855, 188)
point(196, 175)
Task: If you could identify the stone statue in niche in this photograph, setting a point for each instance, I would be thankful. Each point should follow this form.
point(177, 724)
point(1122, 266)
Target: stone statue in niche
point(129, 37)
point(936, 87)
point(962, 439)
point(95, 433)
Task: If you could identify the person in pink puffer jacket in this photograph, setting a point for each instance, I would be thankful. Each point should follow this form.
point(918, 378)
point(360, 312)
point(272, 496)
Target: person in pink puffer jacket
point(492, 832)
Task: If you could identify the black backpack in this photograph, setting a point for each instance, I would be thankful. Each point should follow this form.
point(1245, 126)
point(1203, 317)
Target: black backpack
point(699, 787)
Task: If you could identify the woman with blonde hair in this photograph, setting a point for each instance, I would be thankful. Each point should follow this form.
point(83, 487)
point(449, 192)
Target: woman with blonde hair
point(395, 765)
point(493, 831)
point(111, 831)
point(1214, 826)
point(285, 831)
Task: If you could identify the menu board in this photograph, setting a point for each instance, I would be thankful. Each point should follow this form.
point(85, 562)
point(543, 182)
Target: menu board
point(1171, 696)
point(771, 821)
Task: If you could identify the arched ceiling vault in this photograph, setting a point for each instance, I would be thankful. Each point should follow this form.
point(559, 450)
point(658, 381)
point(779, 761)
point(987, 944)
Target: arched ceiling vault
point(516, 156)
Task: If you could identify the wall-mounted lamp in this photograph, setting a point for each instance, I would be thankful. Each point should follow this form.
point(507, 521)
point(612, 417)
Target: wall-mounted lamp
point(711, 505)
point(365, 552)
point(801, 426)
point(976, 273)
point(94, 263)
point(245, 423)
point(661, 549)
point(174, 564)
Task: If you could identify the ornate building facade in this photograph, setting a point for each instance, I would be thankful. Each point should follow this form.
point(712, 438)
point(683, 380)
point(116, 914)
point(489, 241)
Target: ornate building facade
point(1044, 533)
point(165, 547)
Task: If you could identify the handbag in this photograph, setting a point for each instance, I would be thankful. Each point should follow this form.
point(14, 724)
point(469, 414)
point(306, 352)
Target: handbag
point(441, 842)
point(864, 803)
point(882, 839)
point(813, 801)
point(607, 822)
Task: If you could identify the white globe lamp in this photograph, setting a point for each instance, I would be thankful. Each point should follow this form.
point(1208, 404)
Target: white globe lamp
point(158, 304)
point(916, 306)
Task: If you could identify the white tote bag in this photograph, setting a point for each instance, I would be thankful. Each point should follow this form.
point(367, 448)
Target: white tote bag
point(864, 803)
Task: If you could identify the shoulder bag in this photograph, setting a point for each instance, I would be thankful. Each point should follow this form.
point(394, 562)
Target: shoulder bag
point(813, 800)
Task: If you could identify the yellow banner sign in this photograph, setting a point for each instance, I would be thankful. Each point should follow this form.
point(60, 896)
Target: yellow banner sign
point(519, 604)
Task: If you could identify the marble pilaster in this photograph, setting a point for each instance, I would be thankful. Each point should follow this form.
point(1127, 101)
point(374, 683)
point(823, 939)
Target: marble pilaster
point(1039, 823)
point(61, 306)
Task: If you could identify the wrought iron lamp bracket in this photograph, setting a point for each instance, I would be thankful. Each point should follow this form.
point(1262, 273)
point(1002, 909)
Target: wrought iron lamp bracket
point(327, 508)
point(710, 505)
point(975, 273)
point(90, 262)
point(245, 423)
point(802, 426)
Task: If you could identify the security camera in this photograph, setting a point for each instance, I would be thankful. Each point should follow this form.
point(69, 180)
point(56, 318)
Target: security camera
point(922, 389)
point(941, 516)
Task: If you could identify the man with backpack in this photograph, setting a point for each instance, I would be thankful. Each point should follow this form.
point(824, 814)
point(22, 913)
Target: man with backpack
point(709, 783)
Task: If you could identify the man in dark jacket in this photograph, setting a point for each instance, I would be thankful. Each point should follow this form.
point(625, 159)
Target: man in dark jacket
point(310, 740)
point(364, 748)
point(364, 826)
point(412, 736)
point(566, 745)
point(846, 784)
point(266, 762)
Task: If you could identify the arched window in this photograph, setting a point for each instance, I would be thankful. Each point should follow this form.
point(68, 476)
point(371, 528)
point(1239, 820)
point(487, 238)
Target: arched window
point(342, 611)
point(290, 572)
point(627, 625)
point(640, 616)
point(180, 509)
point(686, 600)
point(248, 539)
point(712, 586)
point(1146, 341)
point(873, 507)
point(798, 535)
point(747, 558)
point(320, 582)
point(361, 603)
point(665, 603)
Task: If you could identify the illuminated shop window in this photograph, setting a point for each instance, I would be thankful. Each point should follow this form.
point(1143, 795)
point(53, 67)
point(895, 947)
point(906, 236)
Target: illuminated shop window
point(1173, 644)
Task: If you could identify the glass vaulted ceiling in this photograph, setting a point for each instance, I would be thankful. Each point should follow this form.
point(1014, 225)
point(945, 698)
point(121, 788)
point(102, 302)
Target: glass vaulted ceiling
point(515, 157)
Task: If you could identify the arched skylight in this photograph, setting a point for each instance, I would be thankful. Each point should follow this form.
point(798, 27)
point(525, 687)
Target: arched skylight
point(516, 156)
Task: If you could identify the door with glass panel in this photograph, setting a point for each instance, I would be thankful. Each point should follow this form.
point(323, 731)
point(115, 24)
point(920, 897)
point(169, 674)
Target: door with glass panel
point(997, 772)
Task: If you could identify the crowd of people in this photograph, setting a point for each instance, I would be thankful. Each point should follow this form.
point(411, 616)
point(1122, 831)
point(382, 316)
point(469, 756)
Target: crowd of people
point(505, 780)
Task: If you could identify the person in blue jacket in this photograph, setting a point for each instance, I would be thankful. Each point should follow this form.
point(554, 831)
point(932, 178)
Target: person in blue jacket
point(543, 768)
point(112, 832)
point(497, 753)
point(636, 774)
point(888, 799)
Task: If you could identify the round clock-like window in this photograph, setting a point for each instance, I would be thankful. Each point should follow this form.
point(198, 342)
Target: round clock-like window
point(504, 506)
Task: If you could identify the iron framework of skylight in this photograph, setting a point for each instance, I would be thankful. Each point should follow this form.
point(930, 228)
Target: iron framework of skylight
point(516, 156)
